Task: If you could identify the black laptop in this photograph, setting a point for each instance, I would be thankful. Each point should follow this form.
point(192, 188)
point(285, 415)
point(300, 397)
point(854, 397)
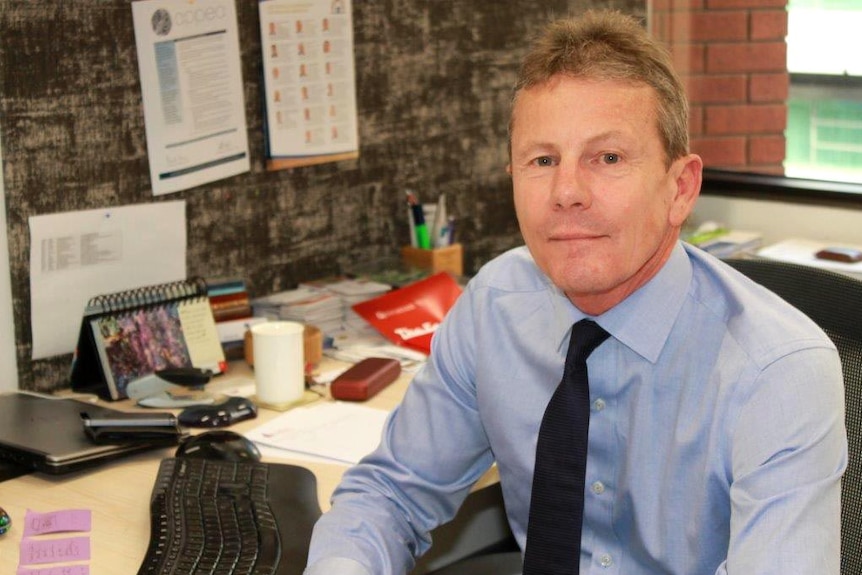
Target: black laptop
point(46, 434)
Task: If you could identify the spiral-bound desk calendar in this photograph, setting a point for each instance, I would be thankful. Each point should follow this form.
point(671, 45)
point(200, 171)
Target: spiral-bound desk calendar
point(129, 334)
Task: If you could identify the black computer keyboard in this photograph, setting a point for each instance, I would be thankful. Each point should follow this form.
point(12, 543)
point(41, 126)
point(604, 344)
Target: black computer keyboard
point(230, 518)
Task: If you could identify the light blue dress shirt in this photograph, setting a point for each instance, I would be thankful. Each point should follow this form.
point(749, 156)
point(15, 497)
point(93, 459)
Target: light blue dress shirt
point(716, 443)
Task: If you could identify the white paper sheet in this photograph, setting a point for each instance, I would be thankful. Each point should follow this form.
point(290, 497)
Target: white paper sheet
point(802, 251)
point(75, 256)
point(191, 79)
point(334, 431)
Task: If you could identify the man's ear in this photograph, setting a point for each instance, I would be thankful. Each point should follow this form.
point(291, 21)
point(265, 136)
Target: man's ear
point(509, 169)
point(687, 174)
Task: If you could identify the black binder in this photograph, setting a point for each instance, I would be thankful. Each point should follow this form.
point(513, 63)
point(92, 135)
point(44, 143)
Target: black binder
point(130, 334)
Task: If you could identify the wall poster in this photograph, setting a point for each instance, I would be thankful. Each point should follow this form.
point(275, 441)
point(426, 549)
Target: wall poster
point(309, 81)
point(188, 56)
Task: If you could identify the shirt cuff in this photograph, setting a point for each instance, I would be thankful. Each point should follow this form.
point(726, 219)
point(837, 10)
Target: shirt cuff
point(336, 566)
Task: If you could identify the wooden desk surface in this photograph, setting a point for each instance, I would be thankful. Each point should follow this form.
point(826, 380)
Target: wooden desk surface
point(118, 492)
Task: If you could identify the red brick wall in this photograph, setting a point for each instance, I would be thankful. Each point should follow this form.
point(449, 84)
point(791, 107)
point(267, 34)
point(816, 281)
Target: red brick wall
point(733, 57)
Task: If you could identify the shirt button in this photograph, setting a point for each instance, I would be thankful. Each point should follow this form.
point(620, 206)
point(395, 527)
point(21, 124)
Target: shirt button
point(598, 487)
point(599, 404)
point(606, 560)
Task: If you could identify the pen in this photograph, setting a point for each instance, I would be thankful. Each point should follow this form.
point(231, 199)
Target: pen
point(439, 232)
point(412, 225)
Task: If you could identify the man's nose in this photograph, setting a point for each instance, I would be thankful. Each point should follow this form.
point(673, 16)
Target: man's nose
point(570, 187)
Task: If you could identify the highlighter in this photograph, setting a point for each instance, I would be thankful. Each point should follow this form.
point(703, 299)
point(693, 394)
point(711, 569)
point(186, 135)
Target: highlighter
point(423, 238)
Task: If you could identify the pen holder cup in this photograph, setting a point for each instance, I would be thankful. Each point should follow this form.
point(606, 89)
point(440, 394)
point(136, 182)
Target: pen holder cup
point(448, 259)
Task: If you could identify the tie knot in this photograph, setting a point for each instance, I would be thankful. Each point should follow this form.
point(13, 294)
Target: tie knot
point(587, 335)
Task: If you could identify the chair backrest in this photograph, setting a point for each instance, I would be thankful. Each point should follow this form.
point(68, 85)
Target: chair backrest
point(834, 302)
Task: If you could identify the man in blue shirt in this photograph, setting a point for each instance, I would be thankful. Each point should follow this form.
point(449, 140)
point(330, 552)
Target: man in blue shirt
point(716, 435)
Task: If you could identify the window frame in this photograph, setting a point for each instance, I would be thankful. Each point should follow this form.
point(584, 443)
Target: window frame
point(750, 185)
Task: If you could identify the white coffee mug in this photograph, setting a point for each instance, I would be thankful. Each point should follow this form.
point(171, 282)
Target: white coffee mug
point(279, 361)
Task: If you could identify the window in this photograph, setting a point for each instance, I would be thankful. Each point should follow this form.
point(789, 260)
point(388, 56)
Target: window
point(824, 126)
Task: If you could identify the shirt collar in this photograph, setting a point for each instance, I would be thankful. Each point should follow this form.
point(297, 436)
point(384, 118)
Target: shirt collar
point(643, 320)
point(565, 315)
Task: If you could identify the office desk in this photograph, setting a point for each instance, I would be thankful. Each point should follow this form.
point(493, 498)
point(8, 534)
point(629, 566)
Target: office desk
point(118, 492)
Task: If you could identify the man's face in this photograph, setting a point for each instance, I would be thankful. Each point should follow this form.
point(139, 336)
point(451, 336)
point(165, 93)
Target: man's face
point(597, 205)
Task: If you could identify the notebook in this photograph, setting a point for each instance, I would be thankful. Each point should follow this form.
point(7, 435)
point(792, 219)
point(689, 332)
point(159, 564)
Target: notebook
point(46, 434)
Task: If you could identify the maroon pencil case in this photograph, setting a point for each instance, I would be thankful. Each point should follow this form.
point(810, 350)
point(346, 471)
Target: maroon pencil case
point(365, 379)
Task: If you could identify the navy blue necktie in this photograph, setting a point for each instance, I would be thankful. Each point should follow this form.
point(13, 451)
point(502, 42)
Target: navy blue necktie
point(557, 501)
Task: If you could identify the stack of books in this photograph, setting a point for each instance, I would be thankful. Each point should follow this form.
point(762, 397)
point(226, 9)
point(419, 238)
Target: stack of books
point(228, 298)
point(233, 313)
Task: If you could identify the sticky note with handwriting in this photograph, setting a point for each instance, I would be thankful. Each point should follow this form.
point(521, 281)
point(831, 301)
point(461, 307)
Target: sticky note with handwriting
point(66, 520)
point(59, 570)
point(33, 551)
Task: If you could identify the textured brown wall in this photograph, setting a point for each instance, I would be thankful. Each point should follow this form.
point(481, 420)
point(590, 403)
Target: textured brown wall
point(433, 82)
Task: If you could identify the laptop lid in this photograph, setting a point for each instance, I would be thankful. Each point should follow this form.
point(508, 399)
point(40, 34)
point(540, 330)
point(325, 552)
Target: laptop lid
point(46, 433)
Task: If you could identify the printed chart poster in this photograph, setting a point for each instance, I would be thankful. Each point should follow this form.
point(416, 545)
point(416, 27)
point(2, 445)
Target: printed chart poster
point(194, 111)
point(309, 80)
point(75, 256)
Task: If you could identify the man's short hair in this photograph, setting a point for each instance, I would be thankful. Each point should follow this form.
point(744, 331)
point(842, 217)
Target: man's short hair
point(610, 45)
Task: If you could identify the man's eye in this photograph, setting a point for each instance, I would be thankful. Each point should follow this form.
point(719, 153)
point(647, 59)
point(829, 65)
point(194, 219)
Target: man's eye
point(611, 158)
point(544, 161)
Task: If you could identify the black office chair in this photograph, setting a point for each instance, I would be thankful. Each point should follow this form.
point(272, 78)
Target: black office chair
point(834, 301)
point(507, 563)
point(477, 541)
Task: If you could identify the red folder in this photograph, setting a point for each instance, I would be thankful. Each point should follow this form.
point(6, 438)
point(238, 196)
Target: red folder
point(409, 315)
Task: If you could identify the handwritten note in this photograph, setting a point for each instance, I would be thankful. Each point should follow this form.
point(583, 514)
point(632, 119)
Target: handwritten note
point(56, 522)
point(62, 570)
point(54, 550)
point(199, 331)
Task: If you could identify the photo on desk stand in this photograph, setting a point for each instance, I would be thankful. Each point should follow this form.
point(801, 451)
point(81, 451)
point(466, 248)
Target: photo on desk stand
point(138, 343)
point(130, 334)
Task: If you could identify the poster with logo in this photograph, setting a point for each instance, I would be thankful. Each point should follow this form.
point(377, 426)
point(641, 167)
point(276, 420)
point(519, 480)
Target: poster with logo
point(309, 82)
point(191, 79)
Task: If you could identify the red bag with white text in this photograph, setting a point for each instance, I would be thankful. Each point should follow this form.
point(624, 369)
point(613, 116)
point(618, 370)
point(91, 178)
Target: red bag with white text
point(409, 315)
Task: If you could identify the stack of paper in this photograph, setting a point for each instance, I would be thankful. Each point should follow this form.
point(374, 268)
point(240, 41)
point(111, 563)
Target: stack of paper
point(801, 251)
point(723, 242)
point(305, 304)
point(328, 431)
point(327, 304)
point(349, 291)
point(354, 291)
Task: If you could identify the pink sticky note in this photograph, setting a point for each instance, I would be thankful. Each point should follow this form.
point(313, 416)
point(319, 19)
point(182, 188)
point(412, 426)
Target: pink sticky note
point(61, 570)
point(35, 551)
point(56, 521)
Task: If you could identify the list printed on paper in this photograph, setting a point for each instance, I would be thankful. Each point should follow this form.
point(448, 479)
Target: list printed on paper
point(309, 78)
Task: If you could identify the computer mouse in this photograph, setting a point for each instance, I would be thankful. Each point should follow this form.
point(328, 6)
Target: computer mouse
point(220, 444)
point(222, 414)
